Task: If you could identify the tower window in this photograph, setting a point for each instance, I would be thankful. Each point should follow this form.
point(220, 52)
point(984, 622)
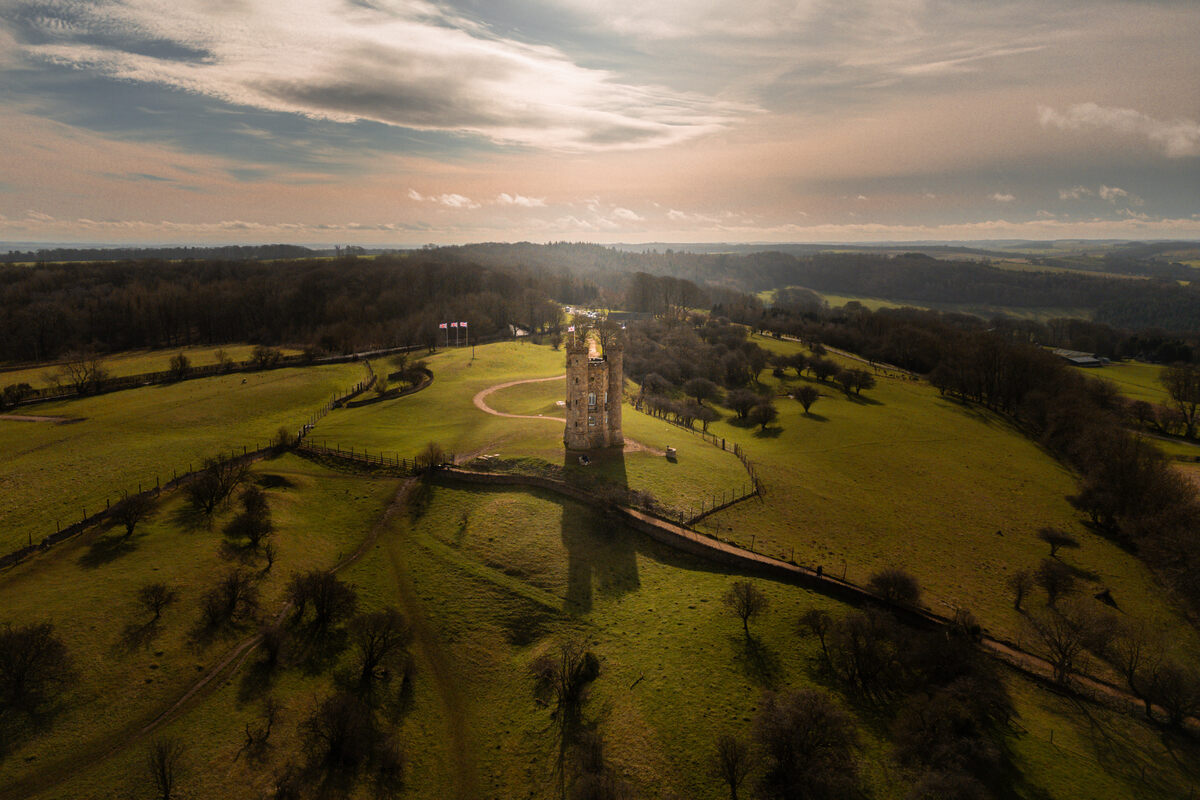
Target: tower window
point(591, 398)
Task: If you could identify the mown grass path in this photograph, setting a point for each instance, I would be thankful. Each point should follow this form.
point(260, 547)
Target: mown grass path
point(480, 399)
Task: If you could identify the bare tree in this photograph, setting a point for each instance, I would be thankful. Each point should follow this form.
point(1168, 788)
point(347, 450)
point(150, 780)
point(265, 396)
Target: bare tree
point(895, 584)
point(34, 666)
point(1182, 382)
point(163, 762)
point(84, 373)
point(1021, 582)
point(431, 457)
point(1061, 642)
point(132, 509)
point(254, 522)
point(818, 622)
point(180, 366)
point(1056, 578)
point(381, 640)
point(1058, 540)
point(731, 762)
point(763, 414)
point(154, 597)
point(746, 601)
point(807, 395)
point(213, 485)
point(1137, 651)
point(233, 599)
point(330, 599)
point(809, 747)
point(562, 678)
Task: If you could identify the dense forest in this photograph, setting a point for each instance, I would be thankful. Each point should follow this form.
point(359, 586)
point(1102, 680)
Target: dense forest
point(229, 252)
point(334, 305)
point(911, 277)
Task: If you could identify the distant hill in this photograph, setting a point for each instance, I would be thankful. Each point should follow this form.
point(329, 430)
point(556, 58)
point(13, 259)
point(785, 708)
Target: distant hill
point(257, 252)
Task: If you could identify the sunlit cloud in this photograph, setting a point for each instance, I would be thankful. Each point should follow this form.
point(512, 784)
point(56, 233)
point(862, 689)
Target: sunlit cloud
point(406, 63)
point(506, 199)
point(1000, 197)
point(1177, 138)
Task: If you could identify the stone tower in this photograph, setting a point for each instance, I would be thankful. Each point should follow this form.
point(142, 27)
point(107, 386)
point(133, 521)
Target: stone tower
point(595, 386)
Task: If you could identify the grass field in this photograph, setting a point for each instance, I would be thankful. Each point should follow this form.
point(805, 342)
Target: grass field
point(54, 472)
point(127, 670)
point(492, 578)
point(1136, 380)
point(907, 478)
point(444, 413)
point(138, 362)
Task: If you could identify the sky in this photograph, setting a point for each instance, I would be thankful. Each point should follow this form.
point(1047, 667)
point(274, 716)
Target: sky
point(410, 122)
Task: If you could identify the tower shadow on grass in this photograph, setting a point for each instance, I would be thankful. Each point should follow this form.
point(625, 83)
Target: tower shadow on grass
point(601, 554)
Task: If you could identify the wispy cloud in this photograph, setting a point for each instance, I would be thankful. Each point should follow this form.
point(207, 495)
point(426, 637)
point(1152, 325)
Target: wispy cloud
point(1001, 197)
point(506, 199)
point(405, 63)
point(450, 200)
point(1178, 138)
point(1074, 193)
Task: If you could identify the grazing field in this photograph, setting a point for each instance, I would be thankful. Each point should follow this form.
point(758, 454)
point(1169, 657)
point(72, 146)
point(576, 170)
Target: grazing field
point(137, 362)
point(491, 579)
point(129, 669)
point(52, 473)
point(445, 413)
point(1136, 380)
point(904, 477)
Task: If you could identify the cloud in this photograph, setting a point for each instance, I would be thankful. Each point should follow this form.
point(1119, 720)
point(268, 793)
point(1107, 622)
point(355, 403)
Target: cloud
point(1178, 138)
point(405, 63)
point(450, 200)
point(1076, 193)
point(625, 215)
point(506, 199)
point(1003, 198)
point(1112, 193)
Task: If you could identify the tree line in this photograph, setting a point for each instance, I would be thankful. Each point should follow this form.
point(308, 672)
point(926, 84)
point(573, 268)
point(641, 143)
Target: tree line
point(1127, 488)
point(336, 306)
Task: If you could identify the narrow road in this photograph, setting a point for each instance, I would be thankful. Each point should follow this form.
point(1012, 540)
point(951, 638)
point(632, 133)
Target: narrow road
point(480, 400)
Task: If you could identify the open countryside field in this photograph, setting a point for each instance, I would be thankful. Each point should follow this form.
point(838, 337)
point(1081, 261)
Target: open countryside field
point(53, 473)
point(907, 478)
point(137, 362)
point(444, 413)
point(129, 670)
point(490, 579)
point(1136, 380)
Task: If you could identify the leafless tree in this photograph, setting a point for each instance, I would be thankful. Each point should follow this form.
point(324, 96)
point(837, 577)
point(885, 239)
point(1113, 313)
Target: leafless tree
point(895, 584)
point(154, 597)
point(163, 762)
point(746, 601)
point(731, 762)
point(213, 485)
point(1056, 578)
point(132, 509)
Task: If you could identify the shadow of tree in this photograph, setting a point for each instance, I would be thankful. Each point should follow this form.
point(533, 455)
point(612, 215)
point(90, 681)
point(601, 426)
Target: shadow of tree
point(757, 660)
point(137, 636)
point(105, 549)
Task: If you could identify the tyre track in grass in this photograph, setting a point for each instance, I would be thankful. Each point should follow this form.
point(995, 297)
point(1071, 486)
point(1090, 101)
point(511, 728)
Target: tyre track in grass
point(53, 774)
point(461, 769)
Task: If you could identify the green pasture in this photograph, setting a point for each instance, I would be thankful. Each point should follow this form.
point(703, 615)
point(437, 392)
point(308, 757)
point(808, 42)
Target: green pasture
point(1136, 380)
point(493, 578)
point(128, 670)
point(444, 413)
point(137, 362)
point(904, 477)
point(52, 473)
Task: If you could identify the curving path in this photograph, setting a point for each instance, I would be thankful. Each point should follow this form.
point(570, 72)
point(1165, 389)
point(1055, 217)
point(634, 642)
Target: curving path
point(480, 400)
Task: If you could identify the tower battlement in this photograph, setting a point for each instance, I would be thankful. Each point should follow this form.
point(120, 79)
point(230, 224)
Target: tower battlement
point(595, 386)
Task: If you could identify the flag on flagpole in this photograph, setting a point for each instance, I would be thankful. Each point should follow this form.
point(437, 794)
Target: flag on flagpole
point(570, 329)
point(442, 325)
point(462, 324)
point(453, 324)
